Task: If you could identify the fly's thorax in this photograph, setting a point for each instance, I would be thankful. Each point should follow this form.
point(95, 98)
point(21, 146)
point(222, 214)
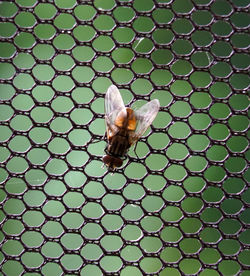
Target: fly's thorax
point(118, 145)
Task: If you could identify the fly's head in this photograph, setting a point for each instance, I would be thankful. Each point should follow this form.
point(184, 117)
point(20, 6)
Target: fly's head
point(112, 162)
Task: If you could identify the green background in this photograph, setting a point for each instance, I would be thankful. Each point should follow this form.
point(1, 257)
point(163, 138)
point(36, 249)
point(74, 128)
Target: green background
point(183, 206)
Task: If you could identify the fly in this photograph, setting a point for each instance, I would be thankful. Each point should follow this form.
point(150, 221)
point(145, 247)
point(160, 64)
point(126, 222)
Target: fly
point(124, 126)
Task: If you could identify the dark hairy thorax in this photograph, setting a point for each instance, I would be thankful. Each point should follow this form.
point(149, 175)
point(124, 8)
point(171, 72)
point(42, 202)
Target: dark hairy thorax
point(119, 144)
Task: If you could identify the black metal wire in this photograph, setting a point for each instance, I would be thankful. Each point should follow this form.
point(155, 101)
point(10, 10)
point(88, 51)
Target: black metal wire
point(183, 207)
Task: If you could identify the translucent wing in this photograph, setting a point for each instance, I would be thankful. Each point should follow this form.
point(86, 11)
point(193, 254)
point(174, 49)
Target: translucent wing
point(145, 116)
point(113, 105)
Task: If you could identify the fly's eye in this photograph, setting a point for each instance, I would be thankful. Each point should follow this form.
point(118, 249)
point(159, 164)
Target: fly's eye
point(112, 162)
point(117, 162)
point(106, 160)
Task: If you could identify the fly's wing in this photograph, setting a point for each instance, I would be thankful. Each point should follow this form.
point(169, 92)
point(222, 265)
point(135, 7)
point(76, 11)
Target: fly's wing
point(145, 116)
point(113, 105)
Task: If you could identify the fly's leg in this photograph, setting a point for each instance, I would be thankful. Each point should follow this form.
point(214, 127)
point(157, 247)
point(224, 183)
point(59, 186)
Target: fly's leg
point(95, 140)
point(135, 151)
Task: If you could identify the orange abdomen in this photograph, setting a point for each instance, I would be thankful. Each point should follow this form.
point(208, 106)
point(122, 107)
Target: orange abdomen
point(127, 122)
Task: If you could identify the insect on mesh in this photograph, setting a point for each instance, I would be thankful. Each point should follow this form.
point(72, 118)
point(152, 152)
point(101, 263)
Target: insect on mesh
point(182, 208)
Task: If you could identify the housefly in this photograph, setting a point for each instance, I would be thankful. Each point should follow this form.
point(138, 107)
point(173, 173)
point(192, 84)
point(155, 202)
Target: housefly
point(124, 126)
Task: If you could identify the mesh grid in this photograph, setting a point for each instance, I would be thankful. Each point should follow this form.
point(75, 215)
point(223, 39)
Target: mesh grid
point(183, 208)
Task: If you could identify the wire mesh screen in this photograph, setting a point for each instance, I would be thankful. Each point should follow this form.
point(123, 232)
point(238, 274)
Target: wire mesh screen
point(182, 208)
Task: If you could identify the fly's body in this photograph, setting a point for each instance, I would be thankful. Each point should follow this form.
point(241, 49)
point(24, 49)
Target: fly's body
point(118, 145)
point(124, 126)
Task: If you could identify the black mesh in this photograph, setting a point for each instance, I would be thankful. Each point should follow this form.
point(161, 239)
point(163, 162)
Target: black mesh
point(183, 207)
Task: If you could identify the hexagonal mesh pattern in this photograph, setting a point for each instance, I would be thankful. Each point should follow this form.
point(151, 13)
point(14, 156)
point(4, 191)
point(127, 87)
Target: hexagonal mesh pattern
point(182, 209)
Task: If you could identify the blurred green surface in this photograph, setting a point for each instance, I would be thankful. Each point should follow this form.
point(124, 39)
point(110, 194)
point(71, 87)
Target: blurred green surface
point(181, 208)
